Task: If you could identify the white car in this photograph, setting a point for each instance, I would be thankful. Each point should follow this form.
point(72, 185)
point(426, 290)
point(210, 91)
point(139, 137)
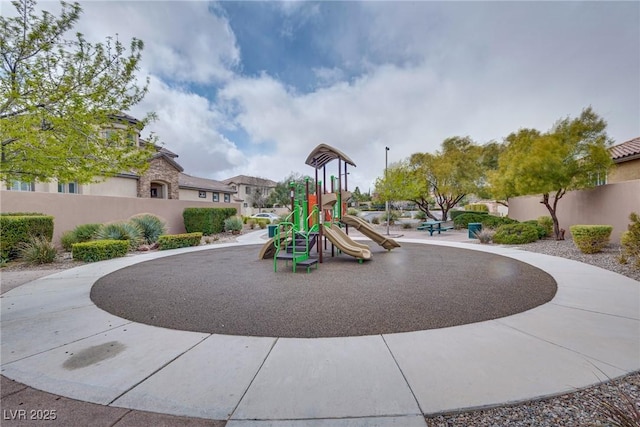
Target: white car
point(266, 215)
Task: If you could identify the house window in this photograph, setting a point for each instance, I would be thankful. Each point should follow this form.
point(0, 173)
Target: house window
point(157, 190)
point(247, 190)
point(202, 194)
point(216, 197)
point(227, 198)
point(21, 186)
point(68, 187)
point(245, 205)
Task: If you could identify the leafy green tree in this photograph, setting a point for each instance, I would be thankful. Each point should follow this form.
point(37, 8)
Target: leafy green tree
point(281, 195)
point(443, 178)
point(570, 156)
point(61, 100)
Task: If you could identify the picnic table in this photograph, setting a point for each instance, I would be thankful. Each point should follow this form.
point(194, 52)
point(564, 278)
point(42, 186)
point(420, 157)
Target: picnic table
point(433, 226)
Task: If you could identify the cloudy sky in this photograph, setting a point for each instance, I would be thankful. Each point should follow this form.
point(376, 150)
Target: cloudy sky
point(251, 87)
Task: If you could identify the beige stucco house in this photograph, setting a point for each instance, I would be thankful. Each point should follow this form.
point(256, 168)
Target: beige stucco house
point(246, 187)
point(626, 157)
point(164, 179)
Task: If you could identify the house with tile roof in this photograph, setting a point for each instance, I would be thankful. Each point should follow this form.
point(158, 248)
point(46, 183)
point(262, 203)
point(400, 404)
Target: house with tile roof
point(626, 157)
point(248, 189)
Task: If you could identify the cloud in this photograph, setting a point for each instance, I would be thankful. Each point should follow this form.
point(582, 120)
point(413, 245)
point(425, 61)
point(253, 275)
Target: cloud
point(188, 125)
point(184, 41)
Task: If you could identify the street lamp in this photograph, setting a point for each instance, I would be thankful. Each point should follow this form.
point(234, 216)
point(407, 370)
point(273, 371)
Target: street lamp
point(386, 155)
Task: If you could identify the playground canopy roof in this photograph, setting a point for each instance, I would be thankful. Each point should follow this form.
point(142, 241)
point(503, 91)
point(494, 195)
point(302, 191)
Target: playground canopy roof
point(323, 154)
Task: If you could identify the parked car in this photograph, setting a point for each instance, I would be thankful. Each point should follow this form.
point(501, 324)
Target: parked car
point(266, 215)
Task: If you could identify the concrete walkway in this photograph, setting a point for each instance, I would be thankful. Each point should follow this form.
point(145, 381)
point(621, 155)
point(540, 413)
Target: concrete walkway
point(55, 339)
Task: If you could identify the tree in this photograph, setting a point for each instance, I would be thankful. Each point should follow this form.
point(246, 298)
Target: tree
point(572, 155)
point(281, 195)
point(61, 100)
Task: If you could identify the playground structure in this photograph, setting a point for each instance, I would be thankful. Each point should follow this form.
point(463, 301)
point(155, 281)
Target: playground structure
point(317, 217)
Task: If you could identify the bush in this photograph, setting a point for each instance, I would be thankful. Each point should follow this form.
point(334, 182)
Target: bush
point(262, 223)
point(352, 211)
point(67, 239)
point(462, 221)
point(233, 224)
point(477, 207)
point(22, 227)
point(591, 239)
point(82, 233)
point(542, 232)
point(630, 239)
point(120, 231)
point(515, 234)
point(492, 221)
point(420, 215)
point(547, 223)
point(38, 250)
point(175, 241)
point(484, 235)
point(375, 220)
point(206, 220)
point(151, 227)
point(99, 250)
point(407, 225)
point(86, 232)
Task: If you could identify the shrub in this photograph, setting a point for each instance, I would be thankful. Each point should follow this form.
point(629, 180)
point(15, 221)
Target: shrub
point(82, 233)
point(591, 239)
point(99, 250)
point(515, 234)
point(352, 211)
point(233, 224)
point(151, 227)
point(375, 220)
point(206, 220)
point(420, 215)
point(462, 221)
point(86, 232)
point(120, 231)
point(407, 225)
point(174, 241)
point(484, 235)
point(493, 221)
point(477, 207)
point(542, 232)
point(547, 223)
point(630, 239)
point(21, 227)
point(67, 239)
point(251, 224)
point(262, 223)
point(38, 250)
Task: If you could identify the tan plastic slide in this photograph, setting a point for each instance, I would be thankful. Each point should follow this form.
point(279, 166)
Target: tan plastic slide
point(365, 228)
point(345, 244)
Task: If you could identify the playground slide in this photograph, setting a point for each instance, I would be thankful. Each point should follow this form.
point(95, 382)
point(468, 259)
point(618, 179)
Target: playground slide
point(363, 226)
point(268, 250)
point(346, 245)
point(345, 236)
point(330, 199)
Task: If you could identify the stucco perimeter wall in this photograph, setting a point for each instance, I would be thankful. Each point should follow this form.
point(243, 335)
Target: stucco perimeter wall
point(608, 204)
point(70, 210)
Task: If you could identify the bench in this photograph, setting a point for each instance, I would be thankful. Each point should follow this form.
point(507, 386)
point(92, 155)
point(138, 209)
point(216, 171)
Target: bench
point(434, 226)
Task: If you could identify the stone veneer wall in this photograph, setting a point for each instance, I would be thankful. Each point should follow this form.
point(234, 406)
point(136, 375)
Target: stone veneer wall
point(159, 170)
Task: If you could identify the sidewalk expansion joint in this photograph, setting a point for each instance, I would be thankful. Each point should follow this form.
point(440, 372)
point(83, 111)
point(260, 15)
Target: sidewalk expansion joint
point(595, 312)
point(235, 408)
point(403, 375)
point(157, 370)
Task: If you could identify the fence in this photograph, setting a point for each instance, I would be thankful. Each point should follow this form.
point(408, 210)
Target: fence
point(70, 210)
point(608, 204)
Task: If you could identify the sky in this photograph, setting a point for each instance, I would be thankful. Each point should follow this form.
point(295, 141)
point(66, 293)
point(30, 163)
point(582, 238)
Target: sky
point(252, 87)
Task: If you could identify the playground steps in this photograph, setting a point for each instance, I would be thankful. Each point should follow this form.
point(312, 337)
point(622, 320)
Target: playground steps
point(297, 251)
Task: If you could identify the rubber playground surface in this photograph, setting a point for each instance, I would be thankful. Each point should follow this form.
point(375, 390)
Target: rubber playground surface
point(414, 287)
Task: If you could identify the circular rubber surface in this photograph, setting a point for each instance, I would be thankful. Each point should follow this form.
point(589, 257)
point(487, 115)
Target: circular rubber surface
point(415, 287)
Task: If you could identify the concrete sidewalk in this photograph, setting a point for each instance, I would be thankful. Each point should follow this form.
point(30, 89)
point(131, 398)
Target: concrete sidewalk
point(56, 340)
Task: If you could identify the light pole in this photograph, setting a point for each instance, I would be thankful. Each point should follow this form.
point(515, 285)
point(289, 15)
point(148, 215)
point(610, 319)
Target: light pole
point(386, 155)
